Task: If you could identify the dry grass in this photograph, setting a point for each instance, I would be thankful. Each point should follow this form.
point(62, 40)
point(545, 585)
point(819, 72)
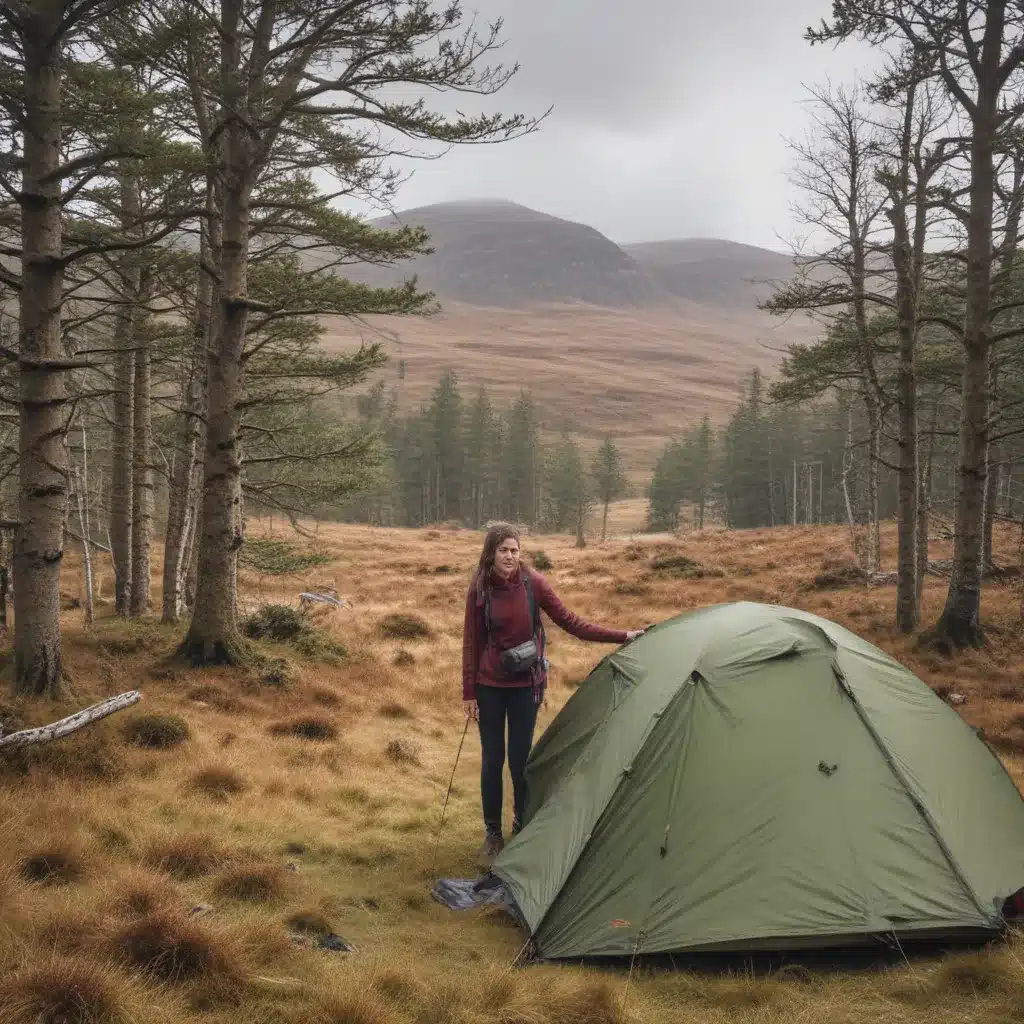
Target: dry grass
point(282, 835)
point(393, 710)
point(53, 866)
point(218, 781)
point(307, 727)
point(173, 950)
point(215, 697)
point(158, 732)
point(404, 626)
point(188, 856)
point(64, 991)
point(309, 922)
point(252, 883)
point(402, 751)
point(139, 893)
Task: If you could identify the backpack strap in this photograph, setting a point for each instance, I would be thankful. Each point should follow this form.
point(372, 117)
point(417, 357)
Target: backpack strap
point(532, 602)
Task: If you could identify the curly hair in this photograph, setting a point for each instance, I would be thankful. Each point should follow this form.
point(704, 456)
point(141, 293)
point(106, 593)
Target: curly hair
point(496, 536)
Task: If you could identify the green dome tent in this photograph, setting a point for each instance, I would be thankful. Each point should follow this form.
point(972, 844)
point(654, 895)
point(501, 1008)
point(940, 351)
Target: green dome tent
point(752, 778)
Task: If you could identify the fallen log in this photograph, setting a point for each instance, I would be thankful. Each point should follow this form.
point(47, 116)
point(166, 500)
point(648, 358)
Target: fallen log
point(321, 597)
point(66, 726)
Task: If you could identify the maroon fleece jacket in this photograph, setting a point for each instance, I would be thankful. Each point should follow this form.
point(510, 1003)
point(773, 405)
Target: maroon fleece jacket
point(511, 626)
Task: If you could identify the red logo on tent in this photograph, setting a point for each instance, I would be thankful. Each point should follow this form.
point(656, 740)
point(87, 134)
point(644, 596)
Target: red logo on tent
point(621, 923)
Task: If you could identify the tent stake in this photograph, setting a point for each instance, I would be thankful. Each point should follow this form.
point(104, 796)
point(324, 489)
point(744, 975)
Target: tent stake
point(629, 977)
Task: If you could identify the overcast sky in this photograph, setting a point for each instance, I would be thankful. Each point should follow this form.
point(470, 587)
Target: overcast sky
point(669, 116)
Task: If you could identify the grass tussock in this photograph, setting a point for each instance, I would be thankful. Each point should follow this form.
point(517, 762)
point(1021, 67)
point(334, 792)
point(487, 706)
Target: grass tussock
point(403, 626)
point(976, 974)
point(55, 865)
point(394, 711)
point(252, 883)
point(681, 567)
point(218, 782)
point(837, 573)
point(172, 949)
point(64, 990)
point(309, 922)
point(278, 623)
point(403, 751)
point(275, 672)
point(325, 696)
point(215, 697)
point(67, 928)
point(403, 659)
point(140, 893)
point(284, 624)
point(341, 1006)
point(156, 732)
point(187, 856)
point(315, 728)
point(541, 561)
point(631, 588)
point(92, 754)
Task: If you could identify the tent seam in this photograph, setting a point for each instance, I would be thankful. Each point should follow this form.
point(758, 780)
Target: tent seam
point(923, 811)
point(597, 817)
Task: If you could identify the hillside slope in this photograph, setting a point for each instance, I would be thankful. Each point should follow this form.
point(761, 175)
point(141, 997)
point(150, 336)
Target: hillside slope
point(641, 375)
point(638, 341)
point(712, 271)
point(497, 253)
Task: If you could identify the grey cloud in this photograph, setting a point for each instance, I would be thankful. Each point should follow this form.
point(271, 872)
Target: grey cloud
point(669, 118)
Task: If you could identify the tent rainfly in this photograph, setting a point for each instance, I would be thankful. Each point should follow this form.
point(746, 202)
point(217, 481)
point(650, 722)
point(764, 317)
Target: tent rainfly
point(752, 778)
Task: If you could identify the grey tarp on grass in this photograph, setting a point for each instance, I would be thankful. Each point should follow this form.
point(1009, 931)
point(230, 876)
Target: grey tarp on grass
point(755, 777)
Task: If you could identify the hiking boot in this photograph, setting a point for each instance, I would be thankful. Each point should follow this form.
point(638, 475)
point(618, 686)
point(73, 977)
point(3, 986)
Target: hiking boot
point(493, 845)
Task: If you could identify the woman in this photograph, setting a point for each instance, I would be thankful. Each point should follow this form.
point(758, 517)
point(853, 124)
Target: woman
point(504, 671)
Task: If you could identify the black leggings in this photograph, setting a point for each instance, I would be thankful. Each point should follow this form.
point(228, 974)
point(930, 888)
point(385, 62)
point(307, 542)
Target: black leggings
point(496, 703)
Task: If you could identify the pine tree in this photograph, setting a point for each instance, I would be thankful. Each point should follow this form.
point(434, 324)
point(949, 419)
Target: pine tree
point(609, 481)
point(444, 417)
point(568, 491)
point(702, 452)
point(275, 113)
point(481, 461)
point(522, 461)
point(666, 490)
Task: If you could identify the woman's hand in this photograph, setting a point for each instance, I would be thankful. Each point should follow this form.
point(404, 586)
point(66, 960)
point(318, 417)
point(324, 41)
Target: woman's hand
point(471, 709)
point(634, 633)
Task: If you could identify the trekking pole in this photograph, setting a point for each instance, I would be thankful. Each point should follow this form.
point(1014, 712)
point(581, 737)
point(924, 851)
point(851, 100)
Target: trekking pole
point(447, 797)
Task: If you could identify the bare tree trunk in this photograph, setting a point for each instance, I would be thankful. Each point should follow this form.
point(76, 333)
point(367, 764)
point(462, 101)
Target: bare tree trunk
point(182, 492)
point(908, 610)
point(121, 491)
point(871, 393)
point(874, 534)
point(604, 523)
point(43, 457)
point(86, 525)
point(142, 478)
point(82, 505)
point(960, 623)
point(213, 635)
point(991, 502)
